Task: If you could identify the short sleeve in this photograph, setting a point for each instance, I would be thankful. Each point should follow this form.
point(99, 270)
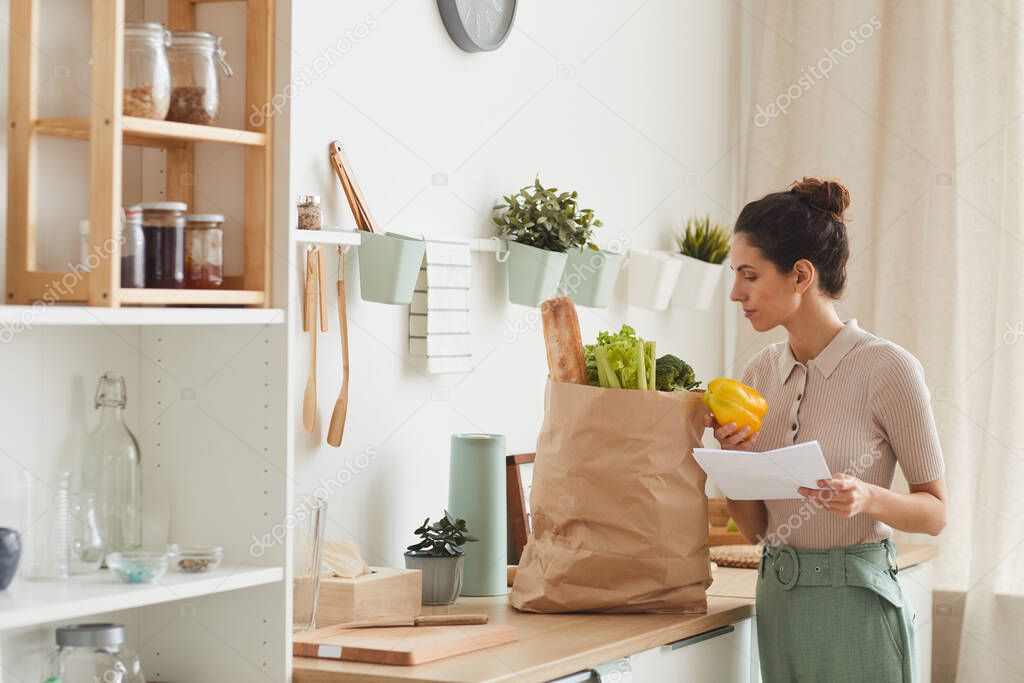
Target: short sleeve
point(901, 406)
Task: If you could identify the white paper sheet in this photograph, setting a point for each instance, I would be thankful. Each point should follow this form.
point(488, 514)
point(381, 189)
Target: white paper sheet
point(769, 475)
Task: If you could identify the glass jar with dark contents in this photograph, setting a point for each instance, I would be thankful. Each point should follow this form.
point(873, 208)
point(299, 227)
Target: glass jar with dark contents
point(133, 246)
point(163, 225)
point(204, 251)
point(195, 58)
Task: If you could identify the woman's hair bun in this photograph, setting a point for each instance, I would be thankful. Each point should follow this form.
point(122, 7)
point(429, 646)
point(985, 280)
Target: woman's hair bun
point(829, 196)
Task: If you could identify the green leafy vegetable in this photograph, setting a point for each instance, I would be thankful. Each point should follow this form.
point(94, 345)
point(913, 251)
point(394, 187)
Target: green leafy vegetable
point(675, 374)
point(621, 361)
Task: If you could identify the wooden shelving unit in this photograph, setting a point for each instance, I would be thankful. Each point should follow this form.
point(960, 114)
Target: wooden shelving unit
point(106, 132)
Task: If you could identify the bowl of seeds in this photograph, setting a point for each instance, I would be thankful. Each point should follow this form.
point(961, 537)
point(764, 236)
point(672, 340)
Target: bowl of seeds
point(192, 560)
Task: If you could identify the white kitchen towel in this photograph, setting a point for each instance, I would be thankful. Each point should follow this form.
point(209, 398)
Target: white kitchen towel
point(439, 313)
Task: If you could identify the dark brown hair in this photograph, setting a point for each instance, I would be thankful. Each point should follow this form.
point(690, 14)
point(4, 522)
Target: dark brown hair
point(805, 222)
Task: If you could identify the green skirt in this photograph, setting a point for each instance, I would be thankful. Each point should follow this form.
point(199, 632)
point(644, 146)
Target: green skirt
point(835, 615)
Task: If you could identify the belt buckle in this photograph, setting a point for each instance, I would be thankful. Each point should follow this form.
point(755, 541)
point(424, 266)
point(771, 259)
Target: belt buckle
point(780, 567)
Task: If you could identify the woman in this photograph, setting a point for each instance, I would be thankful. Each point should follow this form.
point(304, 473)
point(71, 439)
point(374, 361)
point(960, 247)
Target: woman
point(829, 604)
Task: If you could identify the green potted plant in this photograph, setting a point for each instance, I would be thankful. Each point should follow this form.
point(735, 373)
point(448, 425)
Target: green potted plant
point(440, 556)
point(702, 249)
point(542, 226)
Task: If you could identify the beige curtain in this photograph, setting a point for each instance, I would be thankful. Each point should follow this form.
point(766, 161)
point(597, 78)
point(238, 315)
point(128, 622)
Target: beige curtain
point(917, 106)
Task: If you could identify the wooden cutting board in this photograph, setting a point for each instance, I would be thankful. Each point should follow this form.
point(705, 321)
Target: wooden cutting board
point(400, 645)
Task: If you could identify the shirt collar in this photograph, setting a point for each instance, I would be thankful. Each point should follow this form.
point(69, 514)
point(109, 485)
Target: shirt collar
point(826, 361)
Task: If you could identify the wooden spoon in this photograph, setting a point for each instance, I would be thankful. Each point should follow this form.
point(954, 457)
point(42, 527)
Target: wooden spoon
point(337, 428)
point(309, 398)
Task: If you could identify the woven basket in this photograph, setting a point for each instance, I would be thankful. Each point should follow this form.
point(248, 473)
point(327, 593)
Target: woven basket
point(742, 556)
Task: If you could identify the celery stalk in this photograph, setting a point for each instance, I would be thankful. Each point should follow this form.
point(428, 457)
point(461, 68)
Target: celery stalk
point(641, 369)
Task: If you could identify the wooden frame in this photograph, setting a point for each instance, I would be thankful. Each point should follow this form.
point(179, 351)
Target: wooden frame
point(107, 132)
point(515, 497)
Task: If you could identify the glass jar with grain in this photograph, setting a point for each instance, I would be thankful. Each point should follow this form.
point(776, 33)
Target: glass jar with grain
point(163, 228)
point(310, 217)
point(147, 76)
point(204, 251)
point(195, 57)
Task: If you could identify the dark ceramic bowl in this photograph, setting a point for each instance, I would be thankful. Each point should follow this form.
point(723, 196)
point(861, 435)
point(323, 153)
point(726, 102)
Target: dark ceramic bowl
point(10, 553)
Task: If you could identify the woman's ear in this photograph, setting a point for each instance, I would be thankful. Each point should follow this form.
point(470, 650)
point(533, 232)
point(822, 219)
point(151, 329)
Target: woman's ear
point(804, 272)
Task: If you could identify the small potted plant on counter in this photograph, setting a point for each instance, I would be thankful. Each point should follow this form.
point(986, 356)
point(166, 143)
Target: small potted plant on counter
point(541, 225)
point(440, 556)
point(703, 248)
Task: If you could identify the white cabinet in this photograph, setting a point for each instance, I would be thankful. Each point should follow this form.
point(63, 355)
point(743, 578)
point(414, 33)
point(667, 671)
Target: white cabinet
point(917, 586)
point(724, 655)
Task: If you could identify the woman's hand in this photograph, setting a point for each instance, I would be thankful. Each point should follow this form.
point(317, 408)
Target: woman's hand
point(728, 437)
point(844, 494)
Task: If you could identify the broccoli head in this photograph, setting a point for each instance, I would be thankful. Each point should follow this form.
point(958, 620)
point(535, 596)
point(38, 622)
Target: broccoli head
point(674, 374)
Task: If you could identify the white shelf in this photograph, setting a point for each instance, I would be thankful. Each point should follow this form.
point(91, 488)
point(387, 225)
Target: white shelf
point(31, 602)
point(17, 318)
point(353, 238)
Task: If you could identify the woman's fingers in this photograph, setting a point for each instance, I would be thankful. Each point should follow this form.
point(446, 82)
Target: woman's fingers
point(729, 437)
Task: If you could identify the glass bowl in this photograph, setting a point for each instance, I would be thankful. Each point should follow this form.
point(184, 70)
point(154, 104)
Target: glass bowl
point(196, 559)
point(138, 566)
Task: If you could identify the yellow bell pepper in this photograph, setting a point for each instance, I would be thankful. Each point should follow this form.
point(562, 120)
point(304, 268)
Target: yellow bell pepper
point(732, 401)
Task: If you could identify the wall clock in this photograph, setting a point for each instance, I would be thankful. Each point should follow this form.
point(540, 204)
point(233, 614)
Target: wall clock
point(478, 25)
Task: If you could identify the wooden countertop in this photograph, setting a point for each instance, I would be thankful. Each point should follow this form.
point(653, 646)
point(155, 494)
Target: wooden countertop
point(549, 645)
point(553, 645)
point(742, 583)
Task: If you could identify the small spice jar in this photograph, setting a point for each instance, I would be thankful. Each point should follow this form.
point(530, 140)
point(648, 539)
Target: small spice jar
point(310, 217)
point(163, 228)
point(147, 77)
point(133, 245)
point(195, 57)
point(204, 251)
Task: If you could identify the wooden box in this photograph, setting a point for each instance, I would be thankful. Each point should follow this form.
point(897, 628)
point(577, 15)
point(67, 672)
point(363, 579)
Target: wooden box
point(384, 593)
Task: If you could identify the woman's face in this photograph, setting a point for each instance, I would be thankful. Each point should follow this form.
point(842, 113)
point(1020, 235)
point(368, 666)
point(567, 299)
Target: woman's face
point(767, 296)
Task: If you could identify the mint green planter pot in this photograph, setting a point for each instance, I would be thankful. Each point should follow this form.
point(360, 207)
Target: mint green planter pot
point(533, 274)
point(441, 578)
point(388, 267)
point(476, 493)
point(589, 277)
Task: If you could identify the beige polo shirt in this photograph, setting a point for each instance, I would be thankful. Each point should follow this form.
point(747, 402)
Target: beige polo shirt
point(864, 399)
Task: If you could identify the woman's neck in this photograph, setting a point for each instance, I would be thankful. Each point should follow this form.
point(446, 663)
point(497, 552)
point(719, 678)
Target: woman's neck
point(811, 330)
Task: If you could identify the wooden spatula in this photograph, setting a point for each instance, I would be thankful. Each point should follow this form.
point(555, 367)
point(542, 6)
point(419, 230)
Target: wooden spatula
point(337, 428)
point(309, 397)
point(343, 168)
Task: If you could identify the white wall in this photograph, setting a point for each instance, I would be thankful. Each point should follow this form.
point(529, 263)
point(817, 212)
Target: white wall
point(628, 102)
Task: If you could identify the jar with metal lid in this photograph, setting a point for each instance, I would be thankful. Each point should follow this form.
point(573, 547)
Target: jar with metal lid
point(204, 251)
point(195, 57)
point(133, 245)
point(147, 76)
point(92, 652)
point(163, 228)
point(310, 217)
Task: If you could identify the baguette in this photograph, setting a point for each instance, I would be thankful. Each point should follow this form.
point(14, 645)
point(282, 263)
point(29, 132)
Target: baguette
point(562, 341)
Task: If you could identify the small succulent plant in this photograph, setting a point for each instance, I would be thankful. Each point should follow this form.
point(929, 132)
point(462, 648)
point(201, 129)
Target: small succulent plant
point(443, 538)
point(704, 240)
point(545, 218)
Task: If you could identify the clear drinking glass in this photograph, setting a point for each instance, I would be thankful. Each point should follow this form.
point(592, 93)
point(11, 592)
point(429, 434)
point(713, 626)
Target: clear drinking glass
point(45, 528)
point(86, 542)
point(307, 555)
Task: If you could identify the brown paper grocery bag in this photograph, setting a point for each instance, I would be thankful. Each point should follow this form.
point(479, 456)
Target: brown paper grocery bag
point(618, 509)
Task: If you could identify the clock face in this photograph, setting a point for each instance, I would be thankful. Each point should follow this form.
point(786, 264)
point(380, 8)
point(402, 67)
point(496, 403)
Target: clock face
point(478, 25)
